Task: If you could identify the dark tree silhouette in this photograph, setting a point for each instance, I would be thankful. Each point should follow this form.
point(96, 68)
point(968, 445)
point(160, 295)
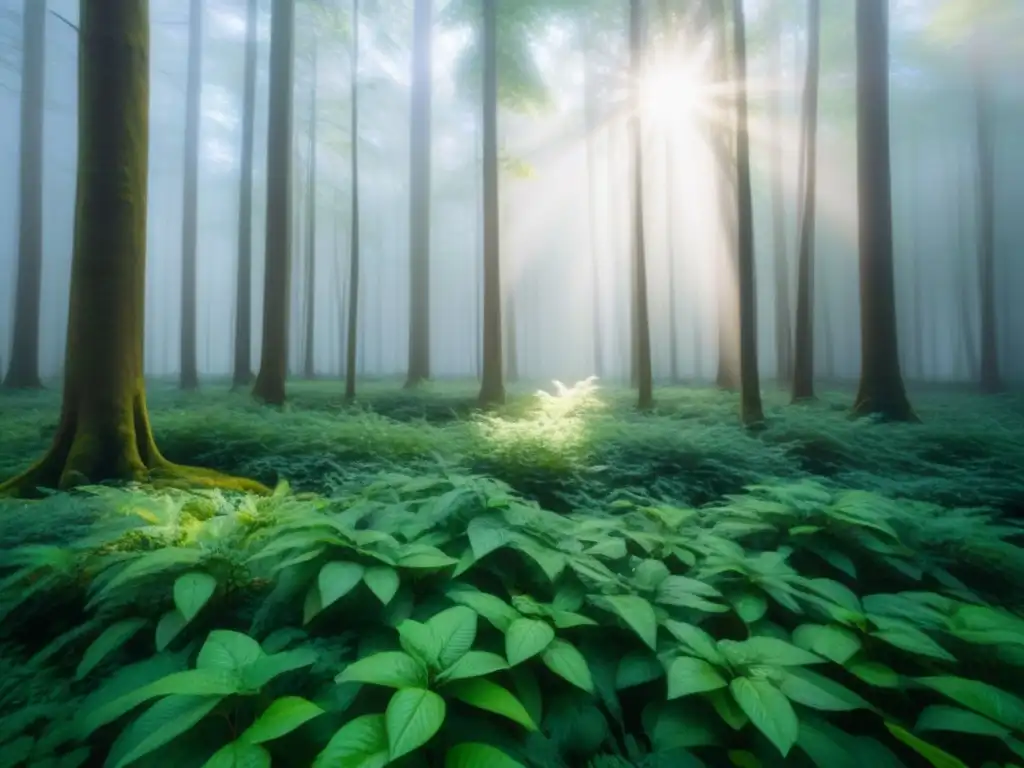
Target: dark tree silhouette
point(189, 367)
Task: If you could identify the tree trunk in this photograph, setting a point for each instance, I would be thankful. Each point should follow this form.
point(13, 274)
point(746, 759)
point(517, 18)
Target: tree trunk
point(309, 361)
point(24, 364)
point(492, 386)
point(967, 330)
point(803, 363)
point(670, 254)
point(270, 382)
point(881, 388)
point(104, 431)
point(188, 364)
point(419, 192)
point(590, 126)
point(510, 323)
point(780, 260)
point(351, 347)
point(242, 374)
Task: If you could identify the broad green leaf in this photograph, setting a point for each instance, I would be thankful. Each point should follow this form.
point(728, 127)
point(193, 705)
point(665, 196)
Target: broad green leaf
point(112, 638)
point(473, 664)
point(455, 630)
point(281, 638)
point(565, 660)
point(873, 673)
point(525, 638)
point(674, 588)
point(611, 549)
point(168, 628)
point(835, 643)
point(311, 604)
point(749, 606)
point(393, 669)
point(383, 581)
point(649, 574)
point(491, 697)
point(637, 668)
point(336, 579)
point(360, 743)
point(420, 641)
point(486, 534)
point(473, 755)
point(819, 692)
point(687, 675)
point(192, 591)
point(239, 754)
point(827, 746)
point(528, 691)
point(696, 640)
point(425, 557)
point(727, 708)
point(983, 698)
point(229, 650)
point(638, 614)
point(551, 562)
point(768, 709)
point(915, 641)
point(266, 668)
point(282, 717)
point(165, 720)
point(935, 756)
point(942, 718)
point(499, 613)
point(164, 559)
point(569, 619)
point(766, 650)
point(412, 718)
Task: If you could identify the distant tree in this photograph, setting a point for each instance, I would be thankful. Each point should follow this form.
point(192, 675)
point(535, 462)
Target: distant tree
point(881, 388)
point(188, 365)
point(309, 336)
point(780, 246)
point(353, 277)
point(104, 431)
point(24, 364)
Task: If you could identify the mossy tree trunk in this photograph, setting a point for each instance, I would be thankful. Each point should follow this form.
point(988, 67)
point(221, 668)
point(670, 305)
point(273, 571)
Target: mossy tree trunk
point(242, 374)
point(881, 388)
point(104, 431)
point(492, 384)
point(270, 382)
point(23, 372)
point(188, 363)
point(352, 342)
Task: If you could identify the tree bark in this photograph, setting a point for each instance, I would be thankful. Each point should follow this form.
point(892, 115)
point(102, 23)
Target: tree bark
point(309, 356)
point(270, 382)
point(881, 388)
point(352, 345)
point(104, 431)
point(23, 372)
point(188, 362)
point(780, 260)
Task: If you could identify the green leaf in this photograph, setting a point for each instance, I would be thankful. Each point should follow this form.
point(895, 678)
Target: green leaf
point(526, 638)
point(472, 755)
point(266, 668)
point(383, 581)
point(412, 718)
point(687, 675)
point(167, 719)
point(696, 641)
point(873, 673)
point(611, 549)
point(768, 709)
point(164, 559)
point(491, 697)
point(499, 613)
point(168, 628)
point(420, 641)
point(935, 756)
point(675, 589)
point(983, 698)
point(942, 718)
point(473, 664)
point(914, 641)
point(192, 591)
point(565, 660)
point(750, 606)
point(360, 743)
point(455, 630)
point(282, 717)
point(425, 557)
point(336, 579)
point(311, 604)
point(638, 614)
point(225, 649)
point(649, 574)
point(819, 692)
point(552, 563)
point(637, 668)
point(827, 746)
point(238, 754)
point(112, 638)
point(835, 643)
point(765, 650)
point(486, 534)
point(393, 669)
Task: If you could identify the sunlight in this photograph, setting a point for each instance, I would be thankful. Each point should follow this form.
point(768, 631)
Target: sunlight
point(672, 93)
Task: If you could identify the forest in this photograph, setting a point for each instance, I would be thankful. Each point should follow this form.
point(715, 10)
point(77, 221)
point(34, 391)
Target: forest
point(511, 383)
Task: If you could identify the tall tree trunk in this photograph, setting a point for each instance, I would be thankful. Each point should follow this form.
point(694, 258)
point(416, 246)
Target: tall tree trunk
point(351, 347)
point(419, 195)
point(492, 385)
point(104, 431)
point(803, 362)
point(510, 323)
point(783, 312)
point(590, 126)
point(750, 383)
point(881, 388)
point(967, 330)
point(991, 381)
point(641, 320)
point(478, 250)
point(309, 361)
point(189, 373)
point(242, 374)
point(270, 382)
point(24, 364)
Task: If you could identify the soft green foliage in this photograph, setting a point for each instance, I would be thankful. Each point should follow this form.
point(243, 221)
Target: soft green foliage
point(686, 594)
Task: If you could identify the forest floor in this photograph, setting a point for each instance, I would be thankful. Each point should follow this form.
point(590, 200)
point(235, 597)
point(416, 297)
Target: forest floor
point(721, 563)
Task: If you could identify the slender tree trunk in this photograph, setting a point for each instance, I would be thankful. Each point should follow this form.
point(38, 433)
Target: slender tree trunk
point(881, 388)
point(803, 363)
point(991, 381)
point(270, 382)
point(967, 330)
point(670, 207)
point(309, 361)
point(590, 125)
point(492, 386)
point(351, 348)
point(104, 431)
point(783, 312)
point(24, 364)
point(478, 251)
point(510, 323)
point(242, 375)
point(419, 195)
point(189, 373)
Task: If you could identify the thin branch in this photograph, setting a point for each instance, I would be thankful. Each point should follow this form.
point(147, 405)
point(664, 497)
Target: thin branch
point(62, 18)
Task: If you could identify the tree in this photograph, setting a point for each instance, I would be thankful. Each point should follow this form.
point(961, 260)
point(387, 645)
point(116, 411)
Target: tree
point(492, 385)
point(881, 388)
point(783, 312)
point(308, 363)
point(104, 431)
point(353, 279)
point(242, 374)
point(24, 364)
point(803, 368)
point(270, 382)
point(419, 196)
point(189, 373)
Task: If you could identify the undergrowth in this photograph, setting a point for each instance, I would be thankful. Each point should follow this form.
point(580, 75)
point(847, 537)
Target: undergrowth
point(564, 583)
